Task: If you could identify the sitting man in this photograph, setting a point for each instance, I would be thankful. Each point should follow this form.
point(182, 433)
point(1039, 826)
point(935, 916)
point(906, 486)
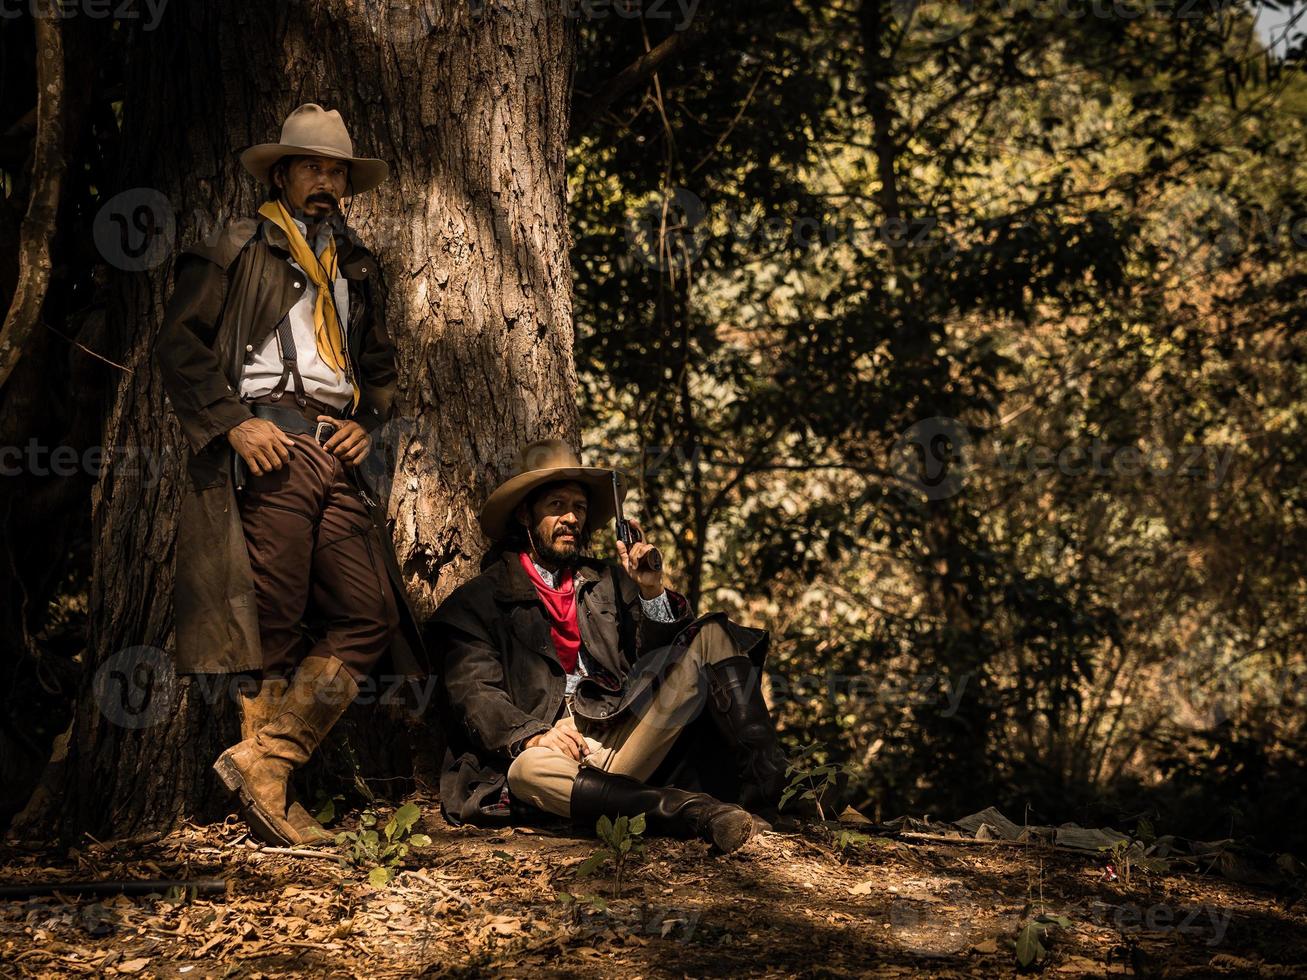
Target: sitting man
point(569, 679)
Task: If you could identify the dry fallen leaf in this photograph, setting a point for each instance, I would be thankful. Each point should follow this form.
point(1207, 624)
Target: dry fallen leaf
point(134, 966)
point(504, 925)
point(863, 887)
point(1080, 965)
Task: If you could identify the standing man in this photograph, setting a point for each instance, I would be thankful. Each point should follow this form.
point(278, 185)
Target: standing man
point(569, 679)
point(278, 369)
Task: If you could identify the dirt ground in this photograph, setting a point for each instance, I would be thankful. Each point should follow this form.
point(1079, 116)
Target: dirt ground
point(822, 902)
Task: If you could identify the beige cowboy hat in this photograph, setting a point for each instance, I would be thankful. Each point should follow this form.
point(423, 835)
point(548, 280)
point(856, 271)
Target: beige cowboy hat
point(313, 131)
point(549, 461)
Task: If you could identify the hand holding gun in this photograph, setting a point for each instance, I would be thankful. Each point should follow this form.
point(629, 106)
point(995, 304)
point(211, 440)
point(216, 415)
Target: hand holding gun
point(629, 533)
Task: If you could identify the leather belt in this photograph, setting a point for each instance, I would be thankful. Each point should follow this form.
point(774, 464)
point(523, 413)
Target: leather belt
point(288, 420)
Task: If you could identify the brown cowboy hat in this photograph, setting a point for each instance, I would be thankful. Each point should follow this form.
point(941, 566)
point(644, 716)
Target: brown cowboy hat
point(549, 461)
point(312, 131)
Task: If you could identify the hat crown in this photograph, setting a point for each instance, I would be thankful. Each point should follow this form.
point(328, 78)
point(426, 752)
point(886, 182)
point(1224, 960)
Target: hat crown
point(544, 454)
point(313, 126)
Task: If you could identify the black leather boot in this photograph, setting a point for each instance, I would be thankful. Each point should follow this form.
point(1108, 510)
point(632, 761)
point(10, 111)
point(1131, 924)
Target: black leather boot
point(668, 811)
point(741, 715)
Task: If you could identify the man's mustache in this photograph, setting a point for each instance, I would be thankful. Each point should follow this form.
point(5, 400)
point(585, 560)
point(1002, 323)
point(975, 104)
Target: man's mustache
point(323, 197)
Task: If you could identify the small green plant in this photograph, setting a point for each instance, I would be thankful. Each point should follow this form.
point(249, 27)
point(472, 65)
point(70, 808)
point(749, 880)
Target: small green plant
point(1121, 858)
point(1030, 940)
point(810, 780)
point(1126, 855)
point(382, 852)
point(621, 841)
point(325, 811)
point(575, 904)
point(850, 840)
point(854, 846)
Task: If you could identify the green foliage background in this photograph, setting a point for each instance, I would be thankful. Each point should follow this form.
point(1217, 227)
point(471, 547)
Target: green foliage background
point(961, 346)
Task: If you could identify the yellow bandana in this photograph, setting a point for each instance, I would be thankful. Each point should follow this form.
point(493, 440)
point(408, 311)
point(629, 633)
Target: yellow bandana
point(326, 326)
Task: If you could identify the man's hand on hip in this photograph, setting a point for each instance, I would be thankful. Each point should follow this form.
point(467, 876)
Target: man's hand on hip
point(350, 443)
point(262, 445)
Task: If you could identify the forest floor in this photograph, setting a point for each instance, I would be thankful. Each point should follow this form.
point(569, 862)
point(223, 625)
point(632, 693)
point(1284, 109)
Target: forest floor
point(827, 901)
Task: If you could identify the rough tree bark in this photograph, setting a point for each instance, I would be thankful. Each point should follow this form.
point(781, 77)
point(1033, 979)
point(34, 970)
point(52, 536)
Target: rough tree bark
point(48, 166)
point(469, 104)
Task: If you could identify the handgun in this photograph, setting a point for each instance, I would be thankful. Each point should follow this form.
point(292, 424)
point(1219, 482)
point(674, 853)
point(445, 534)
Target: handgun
point(628, 535)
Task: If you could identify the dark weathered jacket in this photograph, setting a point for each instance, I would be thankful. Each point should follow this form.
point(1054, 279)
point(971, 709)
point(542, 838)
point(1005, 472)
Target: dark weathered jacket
point(229, 293)
point(501, 679)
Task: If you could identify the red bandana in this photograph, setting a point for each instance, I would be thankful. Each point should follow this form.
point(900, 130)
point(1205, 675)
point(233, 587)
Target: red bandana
point(560, 606)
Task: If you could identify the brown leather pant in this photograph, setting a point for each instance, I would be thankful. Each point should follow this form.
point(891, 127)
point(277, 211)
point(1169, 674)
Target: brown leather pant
point(315, 556)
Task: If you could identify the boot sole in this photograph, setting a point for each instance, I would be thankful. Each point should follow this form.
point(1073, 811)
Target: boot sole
point(732, 832)
point(259, 821)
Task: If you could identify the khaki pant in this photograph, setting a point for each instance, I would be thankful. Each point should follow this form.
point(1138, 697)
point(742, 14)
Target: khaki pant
point(634, 747)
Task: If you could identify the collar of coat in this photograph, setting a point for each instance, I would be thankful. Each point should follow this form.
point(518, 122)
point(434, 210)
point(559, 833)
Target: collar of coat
point(352, 259)
point(512, 584)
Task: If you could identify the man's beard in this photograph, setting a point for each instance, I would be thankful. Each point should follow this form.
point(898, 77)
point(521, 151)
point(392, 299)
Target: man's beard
point(546, 551)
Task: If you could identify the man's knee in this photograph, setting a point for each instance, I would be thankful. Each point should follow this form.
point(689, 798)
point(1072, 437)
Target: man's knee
point(713, 644)
point(532, 766)
point(367, 596)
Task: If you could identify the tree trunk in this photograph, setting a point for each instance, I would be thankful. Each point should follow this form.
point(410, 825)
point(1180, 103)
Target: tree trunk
point(470, 108)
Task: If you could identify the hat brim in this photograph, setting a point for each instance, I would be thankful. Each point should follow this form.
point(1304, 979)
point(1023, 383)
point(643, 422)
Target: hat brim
point(365, 173)
point(497, 514)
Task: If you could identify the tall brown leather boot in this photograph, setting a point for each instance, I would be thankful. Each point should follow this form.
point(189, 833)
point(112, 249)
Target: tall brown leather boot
point(259, 767)
point(259, 703)
point(669, 811)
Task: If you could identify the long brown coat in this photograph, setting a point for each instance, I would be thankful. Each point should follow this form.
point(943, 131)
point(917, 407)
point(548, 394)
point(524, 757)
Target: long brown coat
point(229, 294)
point(502, 682)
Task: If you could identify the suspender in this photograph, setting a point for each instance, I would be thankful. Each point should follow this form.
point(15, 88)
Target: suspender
point(289, 363)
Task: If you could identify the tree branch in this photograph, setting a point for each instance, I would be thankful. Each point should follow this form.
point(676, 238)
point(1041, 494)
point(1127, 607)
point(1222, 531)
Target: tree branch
point(630, 77)
point(48, 165)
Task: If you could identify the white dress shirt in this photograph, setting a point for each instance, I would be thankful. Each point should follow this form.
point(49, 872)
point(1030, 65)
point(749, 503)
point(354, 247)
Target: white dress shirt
point(321, 380)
